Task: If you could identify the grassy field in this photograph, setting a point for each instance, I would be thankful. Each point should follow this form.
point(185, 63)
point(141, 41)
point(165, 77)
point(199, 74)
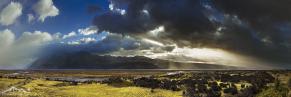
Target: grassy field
point(43, 88)
point(139, 83)
point(5, 83)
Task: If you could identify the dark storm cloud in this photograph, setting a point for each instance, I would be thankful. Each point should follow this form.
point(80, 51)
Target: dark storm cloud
point(262, 15)
point(180, 17)
point(257, 10)
point(266, 18)
point(256, 27)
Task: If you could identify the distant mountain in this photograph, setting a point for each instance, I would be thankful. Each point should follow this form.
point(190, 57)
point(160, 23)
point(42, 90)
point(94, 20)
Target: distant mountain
point(85, 60)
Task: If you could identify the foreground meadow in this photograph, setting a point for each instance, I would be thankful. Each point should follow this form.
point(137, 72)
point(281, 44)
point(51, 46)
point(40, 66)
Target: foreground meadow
point(5, 83)
point(146, 84)
point(43, 88)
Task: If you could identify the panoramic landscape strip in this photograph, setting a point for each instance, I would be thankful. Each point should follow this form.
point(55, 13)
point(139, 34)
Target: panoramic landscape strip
point(145, 83)
point(145, 48)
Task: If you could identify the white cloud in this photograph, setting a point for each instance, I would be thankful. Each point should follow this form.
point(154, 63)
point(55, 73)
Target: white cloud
point(88, 31)
point(146, 12)
point(153, 42)
point(57, 36)
point(71, 34)
point(121, 11)
point(10, 13)
point(88, 40)
point(112, 8)
point(267, 40)
point(17, 53)
point(85, 40)
point(45, 8)
point(30, 18)
point(73, 43)
point(7, 38)
point(157, 31)
point(34, 38)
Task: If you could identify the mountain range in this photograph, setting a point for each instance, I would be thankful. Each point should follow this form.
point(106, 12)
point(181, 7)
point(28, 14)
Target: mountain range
point(86, 60)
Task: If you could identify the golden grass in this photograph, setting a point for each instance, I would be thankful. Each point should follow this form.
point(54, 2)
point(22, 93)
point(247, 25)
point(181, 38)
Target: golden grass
point(4, 82)
point(42, 88)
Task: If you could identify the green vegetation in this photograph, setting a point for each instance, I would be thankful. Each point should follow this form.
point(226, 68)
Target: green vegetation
point(118, 84)
point(43, 88)
point(278, 90)
point(273, 92)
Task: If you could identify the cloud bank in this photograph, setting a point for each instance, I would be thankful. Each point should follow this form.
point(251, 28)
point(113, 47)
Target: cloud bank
point(254, 28)
point(18, 52)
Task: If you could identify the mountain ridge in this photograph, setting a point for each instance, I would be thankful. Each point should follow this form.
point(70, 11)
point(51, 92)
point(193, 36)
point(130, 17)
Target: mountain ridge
point(86, 60)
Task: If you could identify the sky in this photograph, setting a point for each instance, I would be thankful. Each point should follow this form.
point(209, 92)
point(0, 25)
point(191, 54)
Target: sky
point(245, 33)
